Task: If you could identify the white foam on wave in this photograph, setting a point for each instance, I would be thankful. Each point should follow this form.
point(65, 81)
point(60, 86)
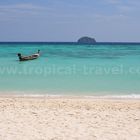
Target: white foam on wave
point(132, 96)
point(45, 94)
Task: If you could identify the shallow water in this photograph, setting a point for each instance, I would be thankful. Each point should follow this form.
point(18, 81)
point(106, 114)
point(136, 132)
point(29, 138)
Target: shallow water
point(71, 69)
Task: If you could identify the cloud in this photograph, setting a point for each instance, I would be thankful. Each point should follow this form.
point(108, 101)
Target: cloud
point(51, 10)
point(125, 8)
point(67, 10)
point(128, 7)
point(20, 7)
point(19, 10)
point(113, 1)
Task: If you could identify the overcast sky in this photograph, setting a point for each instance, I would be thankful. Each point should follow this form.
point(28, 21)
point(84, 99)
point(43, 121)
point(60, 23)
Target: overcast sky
point(67, 20)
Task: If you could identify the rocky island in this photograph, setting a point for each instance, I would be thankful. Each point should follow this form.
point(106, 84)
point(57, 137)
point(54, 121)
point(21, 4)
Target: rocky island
point(86, 40)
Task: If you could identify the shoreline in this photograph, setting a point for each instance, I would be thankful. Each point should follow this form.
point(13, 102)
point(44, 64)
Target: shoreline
point(55, 96)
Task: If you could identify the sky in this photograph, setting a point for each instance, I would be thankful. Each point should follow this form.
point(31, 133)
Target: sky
point(68, 20)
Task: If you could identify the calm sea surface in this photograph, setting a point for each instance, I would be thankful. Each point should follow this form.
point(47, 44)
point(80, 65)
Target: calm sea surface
point(68, 69)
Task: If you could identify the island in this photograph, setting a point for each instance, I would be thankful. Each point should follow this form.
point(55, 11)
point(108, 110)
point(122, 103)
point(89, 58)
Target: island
point(86, 40)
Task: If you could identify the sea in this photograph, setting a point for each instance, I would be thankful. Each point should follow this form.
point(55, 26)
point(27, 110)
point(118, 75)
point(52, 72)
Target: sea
point(101, 70)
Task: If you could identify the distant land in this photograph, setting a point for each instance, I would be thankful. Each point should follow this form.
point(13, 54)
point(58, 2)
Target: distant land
point(86, 40)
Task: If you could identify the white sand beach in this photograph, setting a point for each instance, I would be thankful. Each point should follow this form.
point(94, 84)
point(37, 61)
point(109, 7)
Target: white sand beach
point(46, 118)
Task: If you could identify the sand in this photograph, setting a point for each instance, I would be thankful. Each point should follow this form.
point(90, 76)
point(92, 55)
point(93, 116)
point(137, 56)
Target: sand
point(46, 118)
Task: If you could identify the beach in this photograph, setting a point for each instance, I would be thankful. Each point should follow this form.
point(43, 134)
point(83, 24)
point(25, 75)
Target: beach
point(69, 118)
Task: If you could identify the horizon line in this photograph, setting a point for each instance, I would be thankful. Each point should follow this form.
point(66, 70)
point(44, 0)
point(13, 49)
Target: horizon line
point(66, 42)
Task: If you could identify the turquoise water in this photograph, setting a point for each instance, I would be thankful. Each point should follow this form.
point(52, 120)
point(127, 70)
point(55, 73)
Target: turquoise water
point(71, 69)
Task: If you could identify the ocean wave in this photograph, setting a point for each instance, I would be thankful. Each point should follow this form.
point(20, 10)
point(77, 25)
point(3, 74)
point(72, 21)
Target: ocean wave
point(68, 95)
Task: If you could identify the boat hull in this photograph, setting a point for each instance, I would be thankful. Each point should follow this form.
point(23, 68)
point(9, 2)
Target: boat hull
point(27, 58)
